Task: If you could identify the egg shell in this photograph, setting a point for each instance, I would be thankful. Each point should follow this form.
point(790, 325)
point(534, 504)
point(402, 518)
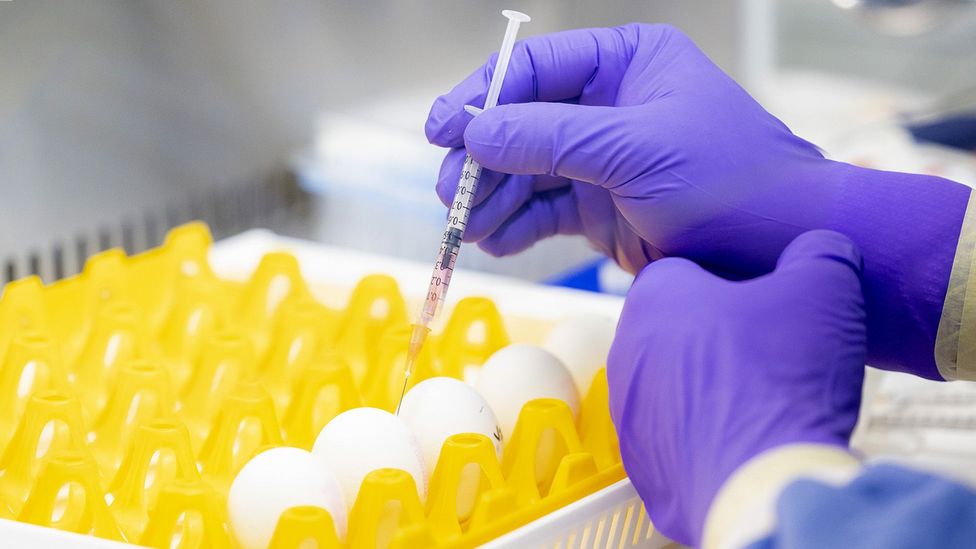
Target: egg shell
point(582, 343)
point(516, 374)
point(439, 407)
point(361, 440)
point(274, 481)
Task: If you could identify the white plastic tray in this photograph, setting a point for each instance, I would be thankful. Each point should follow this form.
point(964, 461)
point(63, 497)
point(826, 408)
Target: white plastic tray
point(610, 518)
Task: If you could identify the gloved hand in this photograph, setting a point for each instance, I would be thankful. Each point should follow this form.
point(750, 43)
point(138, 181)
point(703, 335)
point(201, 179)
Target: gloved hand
point(633, 138)
point(706, 373)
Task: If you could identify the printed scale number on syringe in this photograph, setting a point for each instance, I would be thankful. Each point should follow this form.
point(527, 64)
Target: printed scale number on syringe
point(457, 221)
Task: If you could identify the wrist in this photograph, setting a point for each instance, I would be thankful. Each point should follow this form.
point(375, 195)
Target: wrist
point(743, 509)
point(907, 227)
point(750, 454)
point(955, 345)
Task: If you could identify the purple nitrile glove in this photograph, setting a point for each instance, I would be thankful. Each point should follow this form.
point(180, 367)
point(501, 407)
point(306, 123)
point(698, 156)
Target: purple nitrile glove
point(633, 138)
point(706, 373)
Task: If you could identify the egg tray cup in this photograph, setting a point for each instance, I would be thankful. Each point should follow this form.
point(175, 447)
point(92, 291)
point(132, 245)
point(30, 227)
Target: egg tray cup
point(133, 393)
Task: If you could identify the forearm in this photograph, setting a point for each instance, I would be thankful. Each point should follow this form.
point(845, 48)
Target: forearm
point(803, 501)
point(744, 509)
point(908, 228)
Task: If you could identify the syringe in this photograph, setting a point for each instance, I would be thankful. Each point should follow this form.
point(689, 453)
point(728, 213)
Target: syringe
point(457, 220)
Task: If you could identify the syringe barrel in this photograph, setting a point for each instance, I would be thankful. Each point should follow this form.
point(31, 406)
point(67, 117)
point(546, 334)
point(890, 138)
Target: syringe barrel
point(457, 219)
point(457, 222)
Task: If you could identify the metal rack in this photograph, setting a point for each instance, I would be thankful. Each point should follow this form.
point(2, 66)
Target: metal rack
point(275, 201)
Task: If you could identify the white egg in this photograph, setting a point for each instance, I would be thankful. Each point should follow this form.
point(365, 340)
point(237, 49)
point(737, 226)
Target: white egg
point(512, 377)
point(439, 407)
point(582, 343)
point(516, 374)
point(272, 482)
point(361, 440)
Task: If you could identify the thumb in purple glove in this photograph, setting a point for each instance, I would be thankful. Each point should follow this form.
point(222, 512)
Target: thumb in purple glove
point(706, 373)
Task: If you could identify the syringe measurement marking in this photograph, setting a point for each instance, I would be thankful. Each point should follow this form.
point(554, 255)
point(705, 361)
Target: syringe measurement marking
point(464, 196)
point(453, 235)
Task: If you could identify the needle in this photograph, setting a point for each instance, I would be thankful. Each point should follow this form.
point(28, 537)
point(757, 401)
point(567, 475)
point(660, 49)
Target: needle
point(417, 338)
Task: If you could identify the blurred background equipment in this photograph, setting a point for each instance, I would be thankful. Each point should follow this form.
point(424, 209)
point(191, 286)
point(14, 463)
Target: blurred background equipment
point(118, 121)
point(112, 111)
point(906, 17)
point(109, 111)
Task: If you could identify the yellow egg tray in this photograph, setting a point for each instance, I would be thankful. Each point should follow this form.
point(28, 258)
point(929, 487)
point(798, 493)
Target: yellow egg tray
point(132, 394)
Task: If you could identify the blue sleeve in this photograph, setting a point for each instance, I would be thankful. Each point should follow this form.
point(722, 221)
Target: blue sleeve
point(886, 506)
